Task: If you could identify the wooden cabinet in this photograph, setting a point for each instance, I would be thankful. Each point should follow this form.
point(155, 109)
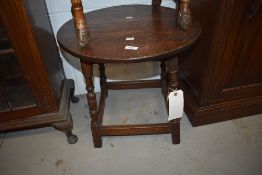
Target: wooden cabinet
point(33, 89)
point(222, 76)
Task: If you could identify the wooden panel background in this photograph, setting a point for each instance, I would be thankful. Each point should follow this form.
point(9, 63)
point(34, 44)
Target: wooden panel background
point(222, 76)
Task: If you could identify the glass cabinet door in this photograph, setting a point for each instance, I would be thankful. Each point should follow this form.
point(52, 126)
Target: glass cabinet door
point(15, 93)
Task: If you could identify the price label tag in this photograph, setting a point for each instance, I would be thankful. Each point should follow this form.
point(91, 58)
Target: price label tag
point(130, 38)
point(129, 17)
point(131, 48)
point(176, 104)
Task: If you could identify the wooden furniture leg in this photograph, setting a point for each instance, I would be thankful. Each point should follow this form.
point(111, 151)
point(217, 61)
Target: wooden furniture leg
point(163, 78)
point(172, 68)
point(175, 133)
point(67, 127)
point(102, 76)
point(156, 2)
point(87, 69)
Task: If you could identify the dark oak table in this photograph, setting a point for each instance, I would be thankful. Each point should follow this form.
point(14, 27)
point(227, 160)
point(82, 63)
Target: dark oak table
point(158, 38)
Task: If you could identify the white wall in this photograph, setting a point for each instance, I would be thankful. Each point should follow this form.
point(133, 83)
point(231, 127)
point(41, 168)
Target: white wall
point(60, 12)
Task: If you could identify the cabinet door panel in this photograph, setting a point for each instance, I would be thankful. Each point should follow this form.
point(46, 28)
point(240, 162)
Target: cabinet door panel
point(231, 85)
point(240, 65)
point(247, 50)
point(14, 90)
point(21, 89)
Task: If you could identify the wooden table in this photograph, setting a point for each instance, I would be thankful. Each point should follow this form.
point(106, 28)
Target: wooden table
point(158, 38)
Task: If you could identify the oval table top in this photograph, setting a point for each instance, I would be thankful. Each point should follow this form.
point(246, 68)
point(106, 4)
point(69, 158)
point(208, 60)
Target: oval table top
point(154, 29)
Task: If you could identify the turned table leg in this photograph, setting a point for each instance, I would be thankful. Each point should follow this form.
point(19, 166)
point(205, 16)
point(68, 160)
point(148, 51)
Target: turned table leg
point(175, 131)
point(172, 69)
point(163, 78)
point(87, 69)
point(103, 76)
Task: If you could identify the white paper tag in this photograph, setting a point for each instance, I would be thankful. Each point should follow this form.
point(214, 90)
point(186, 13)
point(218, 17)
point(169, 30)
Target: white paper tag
point(130, 38)
point(131, 48)
point(176, 104)
point(129, 17)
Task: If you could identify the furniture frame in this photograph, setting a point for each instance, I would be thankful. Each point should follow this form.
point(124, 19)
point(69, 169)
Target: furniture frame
point(34, 91)
point(93, 50)
point(96, 113)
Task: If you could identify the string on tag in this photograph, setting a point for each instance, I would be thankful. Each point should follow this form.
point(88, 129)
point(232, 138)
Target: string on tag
point(172, 90)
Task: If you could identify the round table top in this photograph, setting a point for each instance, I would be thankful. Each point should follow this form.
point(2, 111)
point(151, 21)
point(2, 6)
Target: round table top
point(153, 30)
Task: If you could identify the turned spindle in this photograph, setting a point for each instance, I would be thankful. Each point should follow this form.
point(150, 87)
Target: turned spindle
point(82, 32)
point(184, 15)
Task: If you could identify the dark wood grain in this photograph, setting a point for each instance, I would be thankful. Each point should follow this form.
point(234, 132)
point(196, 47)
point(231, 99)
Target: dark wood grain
point(144, 129)
point(175, 133)
point(156, 33)
point(134, 84)
point(172, 69)
point(221, 76)
point(103, 80)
